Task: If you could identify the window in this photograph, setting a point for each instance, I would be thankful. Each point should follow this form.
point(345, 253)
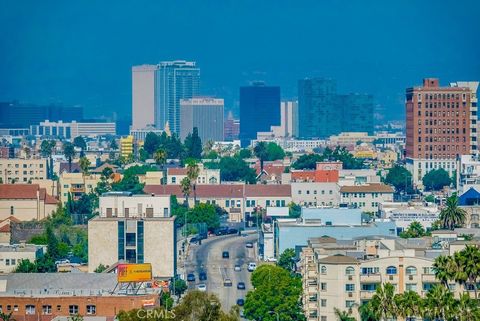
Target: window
point(59, 308)
point(370, 270)
point(13, 262)
point(411, 270)
point(174, 180)
point(29, 309)
point(268, 202)
point(349, 304)
point(46, 309)
point(349, 287)
point(7, 261)
point(323, 286)
point(428, 270)
point(391, 270)
point(73, 309)
point(350, 270)
point(15, 308)
point(411, 287)
point(227, 203)
point(323, 302)
point(323, 269)
point(91, 309)
point(12, 210)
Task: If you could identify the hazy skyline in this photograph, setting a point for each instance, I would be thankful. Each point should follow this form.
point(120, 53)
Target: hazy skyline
point(81, 53)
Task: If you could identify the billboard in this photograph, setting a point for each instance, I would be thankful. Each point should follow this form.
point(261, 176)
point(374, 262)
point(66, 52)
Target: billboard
point(129, 272)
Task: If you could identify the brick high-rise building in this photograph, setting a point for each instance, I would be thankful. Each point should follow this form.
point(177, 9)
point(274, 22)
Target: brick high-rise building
point(441, 125)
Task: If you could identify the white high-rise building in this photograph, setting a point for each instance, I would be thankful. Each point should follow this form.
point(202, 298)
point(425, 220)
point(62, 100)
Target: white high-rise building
point(143, 96)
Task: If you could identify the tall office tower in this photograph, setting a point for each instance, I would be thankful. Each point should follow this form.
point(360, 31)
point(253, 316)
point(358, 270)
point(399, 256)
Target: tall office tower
point(206, 114)
point(317, 108)
point(259, 110)
point(441, 125)
point(175, 80)
point(143, 96)
point(357, 112)
point(289, 118)
point(231, 128)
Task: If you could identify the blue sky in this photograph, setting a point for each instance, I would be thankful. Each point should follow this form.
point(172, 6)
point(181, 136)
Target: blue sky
point(81, 52)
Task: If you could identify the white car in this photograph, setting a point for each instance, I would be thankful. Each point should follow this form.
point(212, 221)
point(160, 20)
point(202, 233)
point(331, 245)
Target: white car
point(202, 287)
point(237, 268)
point(252, 266)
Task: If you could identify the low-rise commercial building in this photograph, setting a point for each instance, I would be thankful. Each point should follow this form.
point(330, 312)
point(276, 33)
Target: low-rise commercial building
point(70, 130)
point(76, 184)
point(205, 175)
point(12, 255)
point(25, 202)
point(316, 194)
point(133, 229)
point(367, 197)
point(17, 170)
point(405, 213)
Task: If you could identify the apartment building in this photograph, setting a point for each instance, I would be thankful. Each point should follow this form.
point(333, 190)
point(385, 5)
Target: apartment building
point(325, 172)
point(25, 202)
point(126, 146)
point(205, 175)
point(441, 126)
point(367, 197)
point(12, 255)
point(133, 229)
point(315, 194)
point(351, 177)
point(345, 275)
point(405, 213)
point(76, 184)
point(17, 170)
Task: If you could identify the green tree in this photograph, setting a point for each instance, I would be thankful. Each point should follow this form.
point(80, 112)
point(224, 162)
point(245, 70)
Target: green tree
point(84, 164)
point(260, 151)
point(343, 315)
point(400, 178)
point(178, 287)
point(193, 145)
point(100, 268)
point(307, 161)
point(52, 244)
point(294, 210)
point(409, 305)
point(452, 216)
point(287, 260)
point(69, 152)
point(202, 306)
point(80, 143)
point(186, 188)
point(439, 304)
point(383, 303)
point(25, 266)
point(193, 170)
point(436, 179)
point(429, 198)
point(467, 308)
point(151, 143)
point(46, 148)
point(6, 316)
point(274, 152)
point(160, 159)
point(244, 153)
point(415, 229)
point(201, 213)
point(234, 169)
point(113, 144)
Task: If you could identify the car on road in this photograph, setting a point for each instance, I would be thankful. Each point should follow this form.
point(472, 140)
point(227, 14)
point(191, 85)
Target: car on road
point(202, 287)
point(202, 276)
point(222, 230)
point(252, 266)
point(237, 268)
point(191, 277)
point(225, 255)
point(240, 302)
point(241, 286)
point(227, 282)
point(249, 245)
point(232, 231)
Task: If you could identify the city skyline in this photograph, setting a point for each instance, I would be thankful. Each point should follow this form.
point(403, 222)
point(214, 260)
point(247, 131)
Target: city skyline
point(93, 68)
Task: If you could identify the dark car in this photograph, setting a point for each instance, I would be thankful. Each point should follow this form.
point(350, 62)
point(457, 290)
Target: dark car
point(191, 277)
point(241, 286)
point(225, 255)
point(202, 276)
point(223, 230)
point(232, 231)
point(240, 302)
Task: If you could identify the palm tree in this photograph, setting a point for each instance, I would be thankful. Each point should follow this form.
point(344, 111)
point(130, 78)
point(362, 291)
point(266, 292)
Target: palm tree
point(467, 309)
point(186, 188)
point(192, 173)
point(343, 315)
point(160, 157)
point(439, 304)
point(452, 215)
point(260, 150)
point(409, 305)
point(382, 302)
point(84, 164)
point(444, 268)
point(469, 261)
point(6, 316)
point(69, 152)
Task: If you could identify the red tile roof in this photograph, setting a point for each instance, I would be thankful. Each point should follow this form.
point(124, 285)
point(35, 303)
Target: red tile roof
point(5, 228)
point(25, 191)
point(224, 190)
point(261, 190)
point(176, 171)
point(11, 218)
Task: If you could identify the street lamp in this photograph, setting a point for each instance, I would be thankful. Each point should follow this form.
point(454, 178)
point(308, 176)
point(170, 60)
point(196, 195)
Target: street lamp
point(276, 313)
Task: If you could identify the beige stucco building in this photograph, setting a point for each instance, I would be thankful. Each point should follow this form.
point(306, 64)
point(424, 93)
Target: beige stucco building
point(140, 232)
point(367, 197)
point(205, 175)
point(17, 170)
point(11, 255)
point(25, 202)
point(77, 184)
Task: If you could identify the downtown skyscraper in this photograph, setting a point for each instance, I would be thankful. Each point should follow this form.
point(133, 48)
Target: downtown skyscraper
point(157, 90)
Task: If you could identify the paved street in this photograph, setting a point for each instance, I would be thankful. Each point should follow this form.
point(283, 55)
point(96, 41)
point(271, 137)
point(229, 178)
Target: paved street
point(208, 257)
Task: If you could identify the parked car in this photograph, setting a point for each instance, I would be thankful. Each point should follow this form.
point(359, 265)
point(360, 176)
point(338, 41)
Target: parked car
point(232, 231)
point(227, 282)
point(241, 286)
point(202, 287)
point(252, 266)
point(222, 230)
point(191, 277)
point(249, 245)
point(237, 268)
point(225, 255)
point(240, 302)
point(202, 276)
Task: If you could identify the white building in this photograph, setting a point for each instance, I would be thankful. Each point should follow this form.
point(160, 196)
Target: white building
point(139, 134)
point(405, 213)
point(468, 173)
point(205, 175)
point(366, 197)
point(311, 194)
point(293, 145)
point(351, 177)
point(70, 130)
point(134, 229)
point(143, 96)
point(12, 255)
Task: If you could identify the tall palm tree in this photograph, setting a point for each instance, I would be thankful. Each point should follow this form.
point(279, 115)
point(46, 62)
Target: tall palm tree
point(160, 157)
point(409, 305)
point(260, 150)
point(469, 261)
point(186, 188)
point(383, 303)
point(439, 304)
point(343, 315)
point(467, 309)
point(445, 269)
point(452, 215)
point(84, 164)
point(192, 173)
point(69, 152)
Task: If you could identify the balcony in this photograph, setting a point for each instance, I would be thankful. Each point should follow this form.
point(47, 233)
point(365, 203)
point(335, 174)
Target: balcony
point(77, 190)
point(430, 278)
point(370, 278)
point(312, 289)
point(366, 295)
